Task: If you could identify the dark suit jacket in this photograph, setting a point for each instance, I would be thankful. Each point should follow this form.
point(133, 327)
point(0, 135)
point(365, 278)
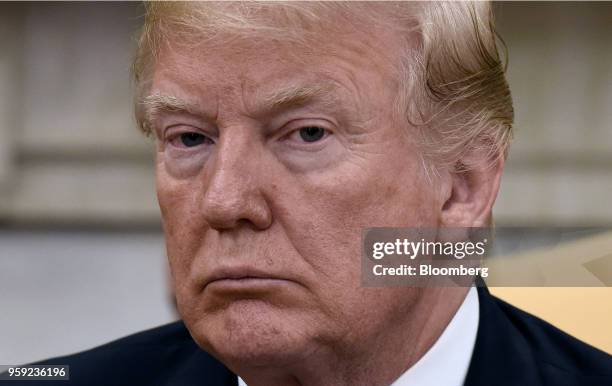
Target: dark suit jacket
point(512, 348)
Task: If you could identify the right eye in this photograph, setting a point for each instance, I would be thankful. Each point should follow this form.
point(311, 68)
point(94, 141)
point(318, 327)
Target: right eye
point(191, 139)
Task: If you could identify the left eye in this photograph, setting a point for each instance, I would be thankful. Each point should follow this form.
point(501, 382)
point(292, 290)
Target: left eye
point(311, 133)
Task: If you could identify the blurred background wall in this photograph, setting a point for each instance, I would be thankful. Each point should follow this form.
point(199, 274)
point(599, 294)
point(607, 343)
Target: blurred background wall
point(81, 250)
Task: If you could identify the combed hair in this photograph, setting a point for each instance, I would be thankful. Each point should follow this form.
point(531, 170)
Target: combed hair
point(451, 76)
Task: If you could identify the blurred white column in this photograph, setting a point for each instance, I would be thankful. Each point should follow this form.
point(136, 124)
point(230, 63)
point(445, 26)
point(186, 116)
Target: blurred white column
point(11, 32)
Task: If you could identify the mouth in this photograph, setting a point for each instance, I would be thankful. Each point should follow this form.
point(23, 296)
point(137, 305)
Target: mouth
point(242, 279)
point(245, 284)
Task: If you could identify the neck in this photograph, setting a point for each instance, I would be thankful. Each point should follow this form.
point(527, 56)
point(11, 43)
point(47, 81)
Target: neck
point(380, 359)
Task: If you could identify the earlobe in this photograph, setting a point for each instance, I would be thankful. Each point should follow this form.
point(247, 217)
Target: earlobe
point(472, 194)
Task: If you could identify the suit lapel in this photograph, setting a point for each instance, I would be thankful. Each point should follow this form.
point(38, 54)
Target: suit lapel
point(502, 356)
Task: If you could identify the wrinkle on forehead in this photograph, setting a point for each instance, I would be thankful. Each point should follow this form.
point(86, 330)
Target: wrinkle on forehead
point(377, 32)
point(275, 78)
point(258, 76)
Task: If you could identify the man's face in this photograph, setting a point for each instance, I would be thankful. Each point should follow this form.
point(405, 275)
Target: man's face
point(268, 169)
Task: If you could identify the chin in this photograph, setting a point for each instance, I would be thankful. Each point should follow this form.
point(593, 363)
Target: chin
point(251, 333)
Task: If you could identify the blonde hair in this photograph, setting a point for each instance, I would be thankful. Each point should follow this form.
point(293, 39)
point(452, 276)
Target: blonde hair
point(451, 76)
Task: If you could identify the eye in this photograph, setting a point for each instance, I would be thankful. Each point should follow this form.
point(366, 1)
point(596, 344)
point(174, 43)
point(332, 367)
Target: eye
point(307, 134)
point(193, 139)
point(312, 133)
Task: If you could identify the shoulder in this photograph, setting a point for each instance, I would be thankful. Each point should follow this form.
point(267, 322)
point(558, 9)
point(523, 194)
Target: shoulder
point(160, 356)
point(535, 347)
point(144, 347)
point(555, 347)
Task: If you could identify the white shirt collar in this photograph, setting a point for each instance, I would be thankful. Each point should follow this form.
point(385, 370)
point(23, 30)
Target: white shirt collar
point(448, 360)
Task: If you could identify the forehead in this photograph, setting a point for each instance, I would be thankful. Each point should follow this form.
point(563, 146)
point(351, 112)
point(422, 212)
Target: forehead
point(280, 20)
point(285, 41)
point(256, 71)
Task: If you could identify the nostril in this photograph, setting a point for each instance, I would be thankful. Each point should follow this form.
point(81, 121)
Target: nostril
point(224, 213)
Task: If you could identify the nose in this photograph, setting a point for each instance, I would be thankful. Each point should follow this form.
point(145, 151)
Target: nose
point(234, 192)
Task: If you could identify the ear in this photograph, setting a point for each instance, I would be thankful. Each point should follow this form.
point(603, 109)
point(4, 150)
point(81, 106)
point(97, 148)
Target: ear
point(470, 194)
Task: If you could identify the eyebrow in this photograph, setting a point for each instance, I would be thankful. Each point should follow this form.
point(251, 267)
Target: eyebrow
point(298, 95)
point(282, 99)
point(156, 103)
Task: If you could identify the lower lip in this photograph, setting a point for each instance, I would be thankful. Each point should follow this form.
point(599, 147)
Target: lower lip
point(245, 284)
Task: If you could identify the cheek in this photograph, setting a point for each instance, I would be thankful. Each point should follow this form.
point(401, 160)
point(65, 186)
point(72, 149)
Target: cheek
point(325, 223)
point(378, 197)
point(181, 223)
